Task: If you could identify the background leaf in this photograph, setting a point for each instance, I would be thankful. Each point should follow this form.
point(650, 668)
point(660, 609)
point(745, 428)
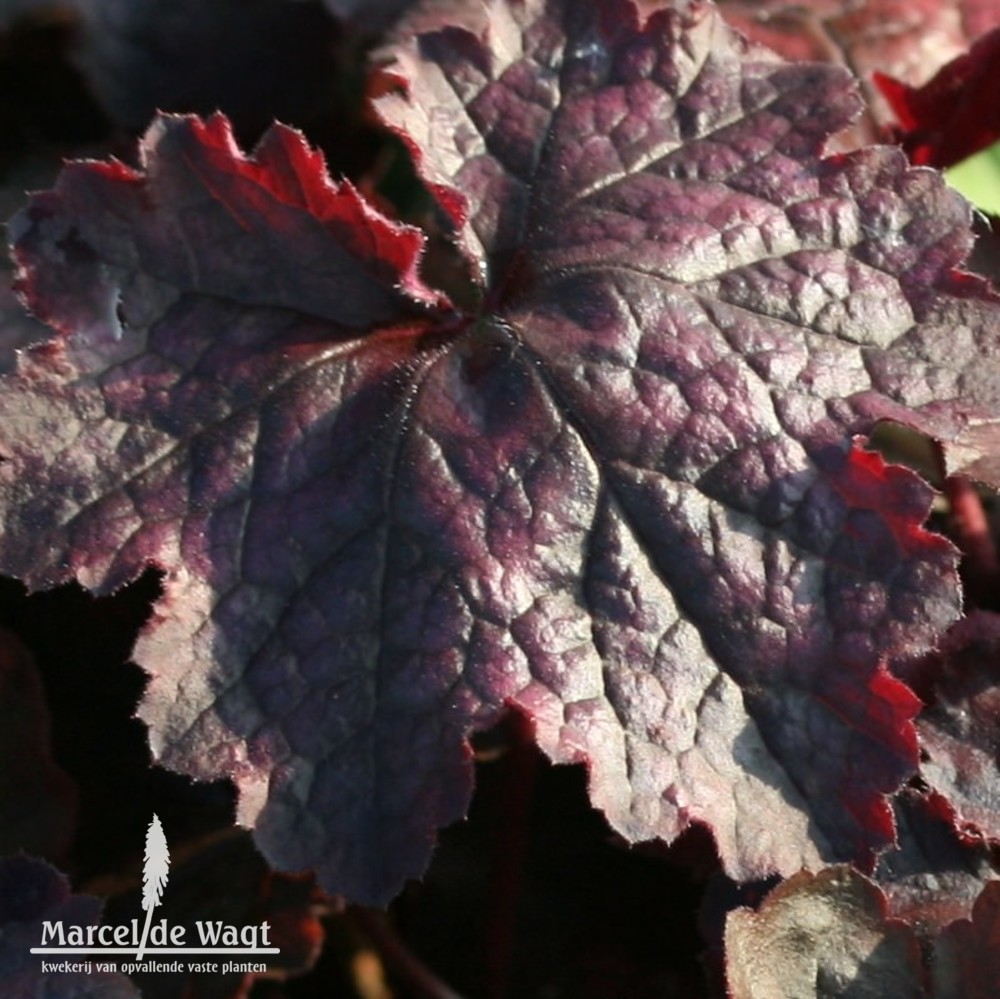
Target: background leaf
point(822, 935)
point(960, 729)
point(965, 959)
point(31, 892)
point(906, 40)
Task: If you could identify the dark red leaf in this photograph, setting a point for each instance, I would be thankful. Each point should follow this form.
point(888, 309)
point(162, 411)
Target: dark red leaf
point(960, 730)
point(933, 876)
point(906, 39)
point(955, 114)
point(622, 496)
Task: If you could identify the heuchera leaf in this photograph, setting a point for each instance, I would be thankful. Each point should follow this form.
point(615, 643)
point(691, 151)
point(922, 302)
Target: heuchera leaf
point(620, 496)
point(967, 954)
point(960, 730)
point(229, 882)
point(824, 935)
point(17, 328)
point(828, 935)
point(906, 39)
point(933, 876)
point(31, 892)
point(955, 114)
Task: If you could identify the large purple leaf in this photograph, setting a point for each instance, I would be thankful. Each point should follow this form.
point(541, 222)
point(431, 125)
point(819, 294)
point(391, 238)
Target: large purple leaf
point(622, 497)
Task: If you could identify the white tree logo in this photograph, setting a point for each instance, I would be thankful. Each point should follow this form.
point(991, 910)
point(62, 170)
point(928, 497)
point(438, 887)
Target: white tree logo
point(155, 870)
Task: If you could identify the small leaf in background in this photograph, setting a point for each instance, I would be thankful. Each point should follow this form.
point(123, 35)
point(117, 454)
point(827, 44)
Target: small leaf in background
point(967, 955)
point(933, 876)
point(224, 879)
point(960, 728)
point(953, 115)
point(905, 39)
point(827, 936)
point(31, 893)
point(822, 936)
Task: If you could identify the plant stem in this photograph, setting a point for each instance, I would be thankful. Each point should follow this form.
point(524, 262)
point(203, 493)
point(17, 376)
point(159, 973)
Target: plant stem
point(398, 957)
point(972, 533)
